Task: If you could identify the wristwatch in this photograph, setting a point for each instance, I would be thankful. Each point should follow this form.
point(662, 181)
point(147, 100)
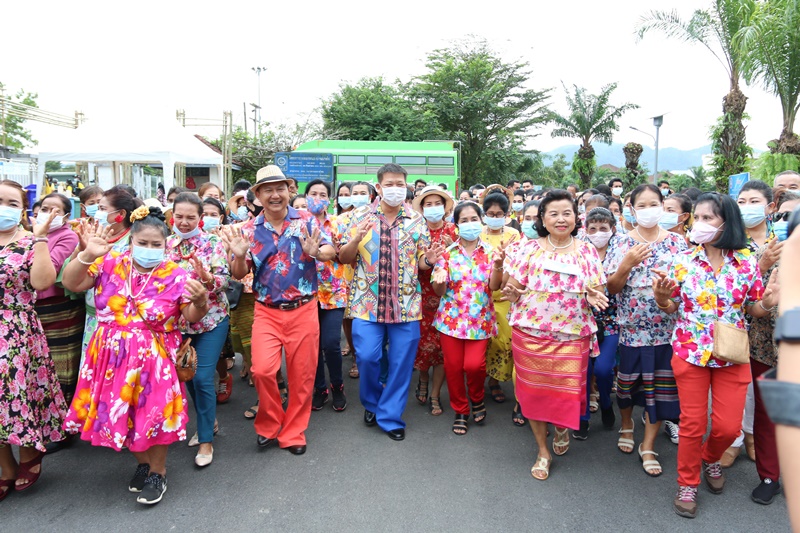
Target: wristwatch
point(427, 262)
point(787, 327)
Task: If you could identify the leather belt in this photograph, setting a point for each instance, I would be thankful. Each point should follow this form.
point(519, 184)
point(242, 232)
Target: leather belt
point(288, 306)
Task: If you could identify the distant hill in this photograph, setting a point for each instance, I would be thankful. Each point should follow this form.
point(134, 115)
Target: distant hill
point(668, 158)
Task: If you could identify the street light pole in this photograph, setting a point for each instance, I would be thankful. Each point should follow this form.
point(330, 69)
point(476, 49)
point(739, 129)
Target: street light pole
point(657, 122)
point(258, 71)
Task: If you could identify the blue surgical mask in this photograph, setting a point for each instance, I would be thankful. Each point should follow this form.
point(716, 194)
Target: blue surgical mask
point(91, 210)
point(317, 206)
point(434, 213)
point(345, 202)
point(147, 257)
point(242, 213)
point(469, 231)
point(495, 223)
point(781, 230)
point(360, 200)
point(753, 215)
point(669, 220)
point(102, 217)
point(529, 229)
point(187, 235)
point(517, 206)
point(9, 217)
point(628, 216)
point(210, 223)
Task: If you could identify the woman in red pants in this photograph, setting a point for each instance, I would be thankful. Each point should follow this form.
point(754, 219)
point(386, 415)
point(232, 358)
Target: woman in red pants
point(465, 277)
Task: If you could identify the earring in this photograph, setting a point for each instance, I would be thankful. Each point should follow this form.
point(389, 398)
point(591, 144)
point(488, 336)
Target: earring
point(201, 224)
point(171, 221)
point(118, 219)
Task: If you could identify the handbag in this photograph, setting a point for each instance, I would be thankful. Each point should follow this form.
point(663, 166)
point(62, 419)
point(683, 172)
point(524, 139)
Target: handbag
point(234, 293)
point(731, 344)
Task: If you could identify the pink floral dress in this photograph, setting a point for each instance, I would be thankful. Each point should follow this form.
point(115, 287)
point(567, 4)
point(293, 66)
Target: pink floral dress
point(31, 404)
point(128, 393)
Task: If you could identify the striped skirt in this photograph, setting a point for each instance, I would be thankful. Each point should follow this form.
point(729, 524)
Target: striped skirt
point(63, 323)
point(551, 377)
point(646, 379)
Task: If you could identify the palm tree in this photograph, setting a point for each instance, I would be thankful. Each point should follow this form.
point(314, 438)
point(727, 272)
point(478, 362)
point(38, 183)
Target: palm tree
point(591, 118)
point(770, 48)
point(715, 28)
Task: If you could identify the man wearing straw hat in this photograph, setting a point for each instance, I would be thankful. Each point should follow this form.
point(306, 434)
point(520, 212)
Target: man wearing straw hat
point(281, 246)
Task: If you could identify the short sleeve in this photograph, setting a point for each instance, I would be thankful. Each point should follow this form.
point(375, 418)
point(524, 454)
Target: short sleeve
point(616, 254)
point(594, 275)
point(515, 263)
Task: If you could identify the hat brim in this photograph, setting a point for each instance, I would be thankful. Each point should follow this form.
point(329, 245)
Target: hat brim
point(448, 202)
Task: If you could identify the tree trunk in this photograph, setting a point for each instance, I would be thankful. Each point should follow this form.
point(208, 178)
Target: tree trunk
point(730, 148)
point(586, 165)
point(632, 153)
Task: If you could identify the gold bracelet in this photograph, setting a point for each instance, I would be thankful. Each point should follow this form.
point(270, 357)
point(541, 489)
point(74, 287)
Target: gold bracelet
point(664, 308)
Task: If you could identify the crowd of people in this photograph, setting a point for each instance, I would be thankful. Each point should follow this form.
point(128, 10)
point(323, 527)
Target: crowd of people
point(563, 299)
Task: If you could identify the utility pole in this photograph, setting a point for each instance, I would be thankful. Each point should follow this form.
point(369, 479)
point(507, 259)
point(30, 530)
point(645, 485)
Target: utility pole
point(256, 109)
point(3, 113)
point(258, 71)
point(657, 122)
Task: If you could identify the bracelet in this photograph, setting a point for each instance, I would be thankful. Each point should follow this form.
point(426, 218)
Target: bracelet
point(663, 307)
point(761, 305)
point(40, 239)
point(497, 269)
point(205, 304)
point(81, 261)
point(425, 257)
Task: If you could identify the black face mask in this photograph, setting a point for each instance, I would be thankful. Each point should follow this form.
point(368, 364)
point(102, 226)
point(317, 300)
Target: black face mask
point(256, 210)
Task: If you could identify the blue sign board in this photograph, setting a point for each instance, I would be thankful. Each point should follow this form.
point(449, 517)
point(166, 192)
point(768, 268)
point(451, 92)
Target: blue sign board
point(304, 166)
point(736, 182)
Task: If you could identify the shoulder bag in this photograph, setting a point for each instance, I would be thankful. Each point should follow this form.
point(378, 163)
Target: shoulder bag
point(731, 344)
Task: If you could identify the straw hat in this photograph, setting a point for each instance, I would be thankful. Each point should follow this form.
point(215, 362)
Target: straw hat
point(269, 174)
point(429, 190)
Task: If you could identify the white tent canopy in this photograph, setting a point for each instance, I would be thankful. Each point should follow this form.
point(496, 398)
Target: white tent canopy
point(129, 141)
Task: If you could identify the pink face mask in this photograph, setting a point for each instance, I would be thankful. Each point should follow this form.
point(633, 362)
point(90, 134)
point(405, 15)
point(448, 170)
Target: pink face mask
point(703, 233)
point(600, 239)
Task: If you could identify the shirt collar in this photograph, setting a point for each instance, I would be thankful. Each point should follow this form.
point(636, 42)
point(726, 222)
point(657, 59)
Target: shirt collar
point(739, 256)
point(379, 210)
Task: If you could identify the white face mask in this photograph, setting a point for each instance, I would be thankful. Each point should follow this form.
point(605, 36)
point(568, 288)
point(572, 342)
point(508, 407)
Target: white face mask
point(647, 218)
point(617, 191)
point(394, 196)
point(57, 222)
point(599, 239)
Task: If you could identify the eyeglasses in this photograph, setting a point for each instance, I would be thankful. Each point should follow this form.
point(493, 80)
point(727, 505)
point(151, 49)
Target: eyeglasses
point(782, 216)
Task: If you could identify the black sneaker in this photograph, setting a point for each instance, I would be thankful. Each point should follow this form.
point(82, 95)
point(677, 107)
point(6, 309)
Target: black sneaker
point(583, 432)
point(339, 399)
point(137, 483)
point(154, 488)
point(765, 493)
point(319, 399)
point(608, 417)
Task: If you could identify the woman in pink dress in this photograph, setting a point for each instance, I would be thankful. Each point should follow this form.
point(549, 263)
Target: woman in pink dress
point(128, 394)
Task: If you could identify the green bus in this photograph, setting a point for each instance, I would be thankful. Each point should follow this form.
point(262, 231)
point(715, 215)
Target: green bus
point(433, 161)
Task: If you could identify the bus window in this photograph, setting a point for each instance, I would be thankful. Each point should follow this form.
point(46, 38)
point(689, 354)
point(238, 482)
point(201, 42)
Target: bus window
point(409, 160)
point(440, 161)
point(378, 159)
point(351, 159)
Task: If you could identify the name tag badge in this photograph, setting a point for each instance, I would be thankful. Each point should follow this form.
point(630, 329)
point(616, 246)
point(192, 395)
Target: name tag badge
point(563, 268)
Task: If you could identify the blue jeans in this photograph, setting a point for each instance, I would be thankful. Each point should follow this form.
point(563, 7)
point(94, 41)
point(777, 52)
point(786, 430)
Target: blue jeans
point(387, 403)
point(201, 388)
point(330, 350)
point(602, 367)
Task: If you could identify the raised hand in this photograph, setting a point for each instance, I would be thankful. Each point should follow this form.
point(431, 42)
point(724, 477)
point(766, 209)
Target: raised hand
point(637, 254)
point(362, 229)
point(204, 276)
point(97, 244)
point(771, 255)
point(234, 241)
point(447, 240)
point(511, 293)
point(196, 293)
point(439, 276)
point(597, 299)
point(40, 230)
point(434, 252)
point(500, 253)
point(663, 288)
point(310, 243)
point(772, 292)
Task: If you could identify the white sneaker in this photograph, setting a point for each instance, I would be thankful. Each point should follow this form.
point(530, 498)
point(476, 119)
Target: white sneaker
point(671, 429)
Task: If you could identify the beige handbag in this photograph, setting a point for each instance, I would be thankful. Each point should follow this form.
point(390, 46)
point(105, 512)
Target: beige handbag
point(731, 344)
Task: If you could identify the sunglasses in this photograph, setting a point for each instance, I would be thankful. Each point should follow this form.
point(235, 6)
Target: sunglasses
point(781, 216)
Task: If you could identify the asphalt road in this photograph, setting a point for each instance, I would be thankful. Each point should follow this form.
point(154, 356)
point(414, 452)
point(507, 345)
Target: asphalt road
point(355, 478)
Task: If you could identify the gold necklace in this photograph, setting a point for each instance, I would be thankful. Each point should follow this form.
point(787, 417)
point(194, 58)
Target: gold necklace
point(3, 249)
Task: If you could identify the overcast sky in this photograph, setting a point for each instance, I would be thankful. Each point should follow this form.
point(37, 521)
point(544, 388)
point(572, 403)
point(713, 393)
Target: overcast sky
point(143, 60)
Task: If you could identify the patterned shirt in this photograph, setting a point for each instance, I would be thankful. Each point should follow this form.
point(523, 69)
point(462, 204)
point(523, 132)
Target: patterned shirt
point(288, 274)
point(640, 320)
point(704, 297)
point(607, 318)
point(333, 276)
point(762, 346)
point(510, 236)
point(466, 310)
point(208, 248)
point(386, 286)
point(555, 284)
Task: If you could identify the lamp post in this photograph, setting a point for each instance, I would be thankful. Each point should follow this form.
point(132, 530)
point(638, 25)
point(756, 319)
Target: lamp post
point(258, 71)
point(657, 122)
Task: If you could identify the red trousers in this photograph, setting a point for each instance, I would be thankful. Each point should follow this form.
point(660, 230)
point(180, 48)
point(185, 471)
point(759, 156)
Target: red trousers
point(764, 431)
point(296, 332)
point(464, 357)
point(728, 387)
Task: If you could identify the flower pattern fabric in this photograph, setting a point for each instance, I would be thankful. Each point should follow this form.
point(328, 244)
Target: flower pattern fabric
point(32, 407)
point(288, 273)
point(556, 286)
point(762, 344)
point(333, 276)
point(704, 297)
point(210, 250)
point(128, 393)
point(641, 322)
point(466, 310)
point(386, 286)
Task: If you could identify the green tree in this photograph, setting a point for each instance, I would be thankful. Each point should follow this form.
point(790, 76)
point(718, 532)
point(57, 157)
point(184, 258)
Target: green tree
point(372, 110)
point(770, 50)
point(482, 101)
point(715, 28)
point(52, 166)
point(13, 134)
point(591, 118)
